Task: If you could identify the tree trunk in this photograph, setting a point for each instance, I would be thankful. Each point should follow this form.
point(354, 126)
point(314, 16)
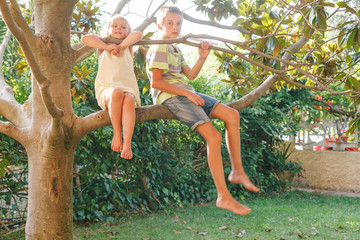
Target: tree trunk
point(50, 194)
point(51, 143)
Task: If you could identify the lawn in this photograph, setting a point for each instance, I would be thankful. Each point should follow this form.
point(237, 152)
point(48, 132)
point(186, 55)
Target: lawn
point(293, 215)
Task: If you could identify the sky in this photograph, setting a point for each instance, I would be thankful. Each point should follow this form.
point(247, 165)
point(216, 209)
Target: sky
point(140, 7)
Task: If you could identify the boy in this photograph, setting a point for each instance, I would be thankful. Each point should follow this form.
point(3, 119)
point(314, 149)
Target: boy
point(165, 66)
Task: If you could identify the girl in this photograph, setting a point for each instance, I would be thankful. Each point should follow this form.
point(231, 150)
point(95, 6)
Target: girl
point(116, 86)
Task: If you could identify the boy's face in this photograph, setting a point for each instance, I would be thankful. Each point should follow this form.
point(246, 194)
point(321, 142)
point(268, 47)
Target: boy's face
point(119, 29)
point(171, 26)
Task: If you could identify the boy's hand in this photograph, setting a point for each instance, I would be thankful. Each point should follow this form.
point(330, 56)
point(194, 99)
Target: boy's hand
point(204, 50)
point(195, 98)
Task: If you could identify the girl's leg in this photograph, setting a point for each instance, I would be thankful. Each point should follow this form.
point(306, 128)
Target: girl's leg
point(128, 123)
point(232, 121)
point(113, 102)
point(224, 199)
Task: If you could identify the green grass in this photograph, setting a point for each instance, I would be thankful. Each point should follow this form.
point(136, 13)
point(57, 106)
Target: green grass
point(293, 215)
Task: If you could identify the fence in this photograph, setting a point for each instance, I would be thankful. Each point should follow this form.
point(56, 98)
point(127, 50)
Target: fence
point(327, 134)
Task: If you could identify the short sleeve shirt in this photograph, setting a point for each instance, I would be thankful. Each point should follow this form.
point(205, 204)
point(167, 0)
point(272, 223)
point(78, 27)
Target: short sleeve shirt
point(170, 60)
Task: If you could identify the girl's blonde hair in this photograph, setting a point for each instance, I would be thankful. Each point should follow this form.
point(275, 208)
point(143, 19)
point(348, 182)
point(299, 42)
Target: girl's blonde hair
point(105, 29)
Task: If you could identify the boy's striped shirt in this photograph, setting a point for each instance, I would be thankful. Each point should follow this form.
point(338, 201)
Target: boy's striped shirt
point(170, 60)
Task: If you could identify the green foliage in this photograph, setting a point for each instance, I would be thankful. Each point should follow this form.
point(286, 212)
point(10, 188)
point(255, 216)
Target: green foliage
point(216, 9)
point(86, 16)
point(20, 83)
point(80, 83)
point(13, 181)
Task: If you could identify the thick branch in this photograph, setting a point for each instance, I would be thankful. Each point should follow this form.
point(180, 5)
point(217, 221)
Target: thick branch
point(43, 82)
point(254, 95)
point(81, 52)
point(100, 119)
point(258, 92)
point(12, 131)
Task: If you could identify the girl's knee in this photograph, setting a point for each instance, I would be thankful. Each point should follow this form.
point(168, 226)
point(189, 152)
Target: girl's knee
point(129, 98)
point(117, 93)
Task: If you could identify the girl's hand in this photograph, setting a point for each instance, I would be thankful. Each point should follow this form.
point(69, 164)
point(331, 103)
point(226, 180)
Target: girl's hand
point(119, 50)
point(111, 47)
point(204, 50)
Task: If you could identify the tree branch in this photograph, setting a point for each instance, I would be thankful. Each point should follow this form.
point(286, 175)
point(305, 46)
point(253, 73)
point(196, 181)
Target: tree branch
point(100, 119)
point(81, 52)
point(284, 60)
point(21, 22)
point(12, 131)
point(258, 92)
point(120, 7)
point(9, 107)
point(42, 81)
point(215, 24)
point(150, 19)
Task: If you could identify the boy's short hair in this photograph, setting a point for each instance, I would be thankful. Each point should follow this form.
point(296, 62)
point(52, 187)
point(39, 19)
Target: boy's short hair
point(163, 11)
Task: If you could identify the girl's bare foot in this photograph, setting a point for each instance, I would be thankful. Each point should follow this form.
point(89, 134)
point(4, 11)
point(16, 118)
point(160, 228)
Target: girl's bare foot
point(229, 203)
point(126, 151)
point(244, 180)
point(116, 143)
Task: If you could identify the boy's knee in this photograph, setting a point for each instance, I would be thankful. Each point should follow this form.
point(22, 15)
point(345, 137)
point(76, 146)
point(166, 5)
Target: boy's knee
point(215, 138)
point(234, 116)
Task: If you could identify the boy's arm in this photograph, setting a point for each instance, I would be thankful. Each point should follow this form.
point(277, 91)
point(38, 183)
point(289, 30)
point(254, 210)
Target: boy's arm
point(192, 73)
point(160, 84)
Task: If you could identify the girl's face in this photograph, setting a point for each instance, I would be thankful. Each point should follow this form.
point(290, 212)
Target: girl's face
point(171, 26)
point(119, 29)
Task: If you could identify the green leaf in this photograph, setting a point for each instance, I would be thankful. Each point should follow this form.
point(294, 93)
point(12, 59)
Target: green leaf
point(266, 20)
point(326, 4)
point(349, 42)
point(322, 19)
point(348, 9)
point(270, 44)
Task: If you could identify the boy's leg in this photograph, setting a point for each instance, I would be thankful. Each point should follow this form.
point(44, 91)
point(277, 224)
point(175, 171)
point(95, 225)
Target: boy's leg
point(113, 102)
point(128, 124)
point(232, 121)
point(213, 140)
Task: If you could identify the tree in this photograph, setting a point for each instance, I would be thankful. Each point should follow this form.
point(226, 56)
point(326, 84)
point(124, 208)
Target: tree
point(286, 45)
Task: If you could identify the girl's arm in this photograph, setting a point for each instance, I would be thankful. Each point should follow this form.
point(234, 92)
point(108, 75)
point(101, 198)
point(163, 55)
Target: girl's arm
point(95, 41)
point(192, 73)
point(130, 40)
point(159, 83)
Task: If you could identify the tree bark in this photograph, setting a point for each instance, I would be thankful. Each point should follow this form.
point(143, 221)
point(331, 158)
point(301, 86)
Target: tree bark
point(50, 210)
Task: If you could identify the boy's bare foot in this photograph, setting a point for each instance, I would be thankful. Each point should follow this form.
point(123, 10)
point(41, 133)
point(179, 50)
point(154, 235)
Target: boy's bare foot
point(116, 143)
point(126, 151)
point(244, 180)
point(232, 205)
